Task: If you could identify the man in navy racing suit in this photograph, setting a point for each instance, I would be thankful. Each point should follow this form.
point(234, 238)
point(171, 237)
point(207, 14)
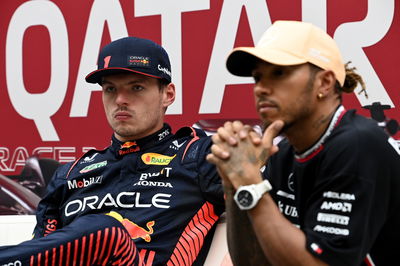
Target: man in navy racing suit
point(153, 185)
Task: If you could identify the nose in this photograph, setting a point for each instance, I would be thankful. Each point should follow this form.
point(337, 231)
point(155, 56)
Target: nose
point(121, 98)
point(261, 89)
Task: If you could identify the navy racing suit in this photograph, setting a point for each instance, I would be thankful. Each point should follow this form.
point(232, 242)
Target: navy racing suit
point(160, 188)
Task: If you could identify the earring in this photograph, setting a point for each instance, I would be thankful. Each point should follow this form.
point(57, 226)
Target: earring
point(320, 96)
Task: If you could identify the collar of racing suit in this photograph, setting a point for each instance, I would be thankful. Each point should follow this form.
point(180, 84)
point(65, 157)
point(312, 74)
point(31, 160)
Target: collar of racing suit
point(123, 148)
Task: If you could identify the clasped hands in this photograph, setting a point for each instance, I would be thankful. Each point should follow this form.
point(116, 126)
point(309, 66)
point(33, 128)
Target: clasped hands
point(239, 152)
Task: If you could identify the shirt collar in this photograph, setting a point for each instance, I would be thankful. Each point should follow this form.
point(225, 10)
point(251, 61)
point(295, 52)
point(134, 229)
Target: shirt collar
point(319, 145)
point(122, 148)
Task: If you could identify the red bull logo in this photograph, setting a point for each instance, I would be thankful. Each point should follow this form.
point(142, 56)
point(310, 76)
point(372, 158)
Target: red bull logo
point(129, 147)
point(134, 230)
point(128, 144)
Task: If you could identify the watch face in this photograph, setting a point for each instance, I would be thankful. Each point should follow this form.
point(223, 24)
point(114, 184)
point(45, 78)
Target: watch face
point(245, 198)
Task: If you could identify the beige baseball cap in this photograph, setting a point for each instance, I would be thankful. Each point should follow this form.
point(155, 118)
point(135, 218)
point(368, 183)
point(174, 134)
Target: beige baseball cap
point(289, 43)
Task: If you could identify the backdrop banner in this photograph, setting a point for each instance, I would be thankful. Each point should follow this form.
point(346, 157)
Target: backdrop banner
point(47, 48)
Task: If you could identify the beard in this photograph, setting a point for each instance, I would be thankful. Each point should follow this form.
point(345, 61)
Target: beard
point(297, 116)
point(285, 128)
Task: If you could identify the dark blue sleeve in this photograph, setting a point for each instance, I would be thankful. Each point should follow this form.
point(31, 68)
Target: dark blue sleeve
point(194, 158)
point(209, 180)
point(47, 214)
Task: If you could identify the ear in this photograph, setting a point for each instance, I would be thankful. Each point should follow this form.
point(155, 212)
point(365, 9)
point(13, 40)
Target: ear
point(326, 83)
point(168, 95)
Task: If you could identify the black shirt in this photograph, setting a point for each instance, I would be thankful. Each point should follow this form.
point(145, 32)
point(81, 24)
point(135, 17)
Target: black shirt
point(343, 193)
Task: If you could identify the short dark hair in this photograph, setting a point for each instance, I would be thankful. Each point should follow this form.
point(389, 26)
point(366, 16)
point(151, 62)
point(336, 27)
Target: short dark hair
point(162, 83)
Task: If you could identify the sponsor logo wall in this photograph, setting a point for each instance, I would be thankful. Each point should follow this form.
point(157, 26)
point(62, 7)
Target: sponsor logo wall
point(47, 48)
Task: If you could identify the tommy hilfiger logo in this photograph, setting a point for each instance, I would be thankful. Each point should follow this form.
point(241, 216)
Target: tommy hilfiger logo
point(176, 145)
point(89, 159)
point(316, 248)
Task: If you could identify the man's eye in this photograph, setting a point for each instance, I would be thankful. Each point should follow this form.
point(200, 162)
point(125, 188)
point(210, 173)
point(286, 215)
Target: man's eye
point(109, 89)
point(278, 72)
point(137, 88)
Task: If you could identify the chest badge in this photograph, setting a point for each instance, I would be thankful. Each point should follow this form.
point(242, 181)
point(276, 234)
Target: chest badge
point(128, 147)
point(156, 159)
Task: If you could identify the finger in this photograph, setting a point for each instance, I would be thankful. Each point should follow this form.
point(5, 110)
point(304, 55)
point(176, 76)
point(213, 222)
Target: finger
point(233, 127)
point(219, 152)
point(228, 126)
point(267, 141)
point(250, 131)
point(271, 132)
point(274, 149)
point(255, 138)
point(244, 132)
point(237, 126)
point(226, 134)
point(216, 139)
point(212, 159)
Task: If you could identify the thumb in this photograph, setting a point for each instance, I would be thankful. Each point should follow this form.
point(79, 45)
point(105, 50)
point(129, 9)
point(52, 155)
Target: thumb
point(271, 132)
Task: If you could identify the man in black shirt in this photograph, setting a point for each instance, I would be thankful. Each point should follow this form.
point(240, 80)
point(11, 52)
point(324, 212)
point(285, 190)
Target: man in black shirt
point(330, 192)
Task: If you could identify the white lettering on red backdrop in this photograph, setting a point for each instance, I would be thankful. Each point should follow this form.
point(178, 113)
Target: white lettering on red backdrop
point(59, 111)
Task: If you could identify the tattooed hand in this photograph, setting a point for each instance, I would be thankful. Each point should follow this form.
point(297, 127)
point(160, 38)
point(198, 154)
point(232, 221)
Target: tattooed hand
point(239, 153)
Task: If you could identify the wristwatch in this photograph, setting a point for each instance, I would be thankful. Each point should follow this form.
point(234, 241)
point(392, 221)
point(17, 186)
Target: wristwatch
point(247, 197)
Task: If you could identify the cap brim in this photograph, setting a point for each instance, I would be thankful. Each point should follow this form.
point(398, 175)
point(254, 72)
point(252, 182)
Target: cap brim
point(241, 61)
point(95, 76)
